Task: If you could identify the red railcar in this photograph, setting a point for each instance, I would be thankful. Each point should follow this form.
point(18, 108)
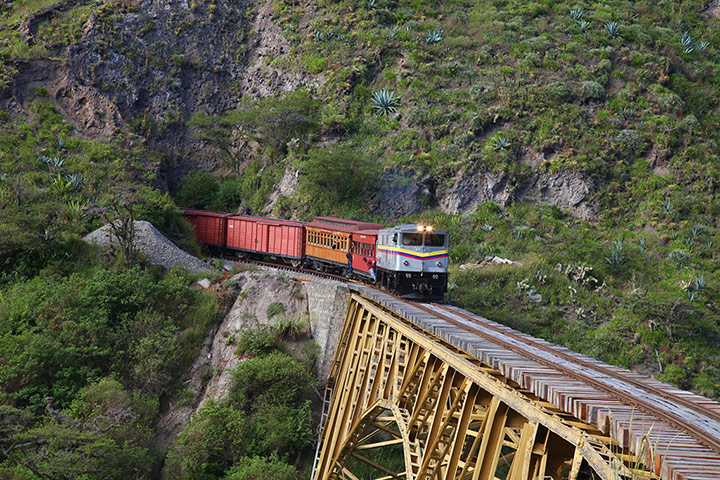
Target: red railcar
point(362, 250)
point(210, 227)
point(266, 236)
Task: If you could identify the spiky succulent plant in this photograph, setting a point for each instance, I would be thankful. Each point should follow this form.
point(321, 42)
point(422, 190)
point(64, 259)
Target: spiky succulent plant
point(385, 101)
point(577, 13)
point(501, 143)
point(436, 36)
point(613, 29)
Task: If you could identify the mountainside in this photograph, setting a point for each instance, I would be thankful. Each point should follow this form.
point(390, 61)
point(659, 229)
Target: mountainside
point(578, 138)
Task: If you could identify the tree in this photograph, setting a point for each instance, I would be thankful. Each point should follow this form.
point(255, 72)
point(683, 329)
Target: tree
point(338, 174)
point(104, 444)
point(118, 210)
point(272, 122)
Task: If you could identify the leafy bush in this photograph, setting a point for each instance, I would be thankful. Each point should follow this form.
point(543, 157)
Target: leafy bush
point(261, 468)
point(337, 175)
point(216, 437)
point(198, 190)
point(276, 379)
point(258, 341)
point(592, 91)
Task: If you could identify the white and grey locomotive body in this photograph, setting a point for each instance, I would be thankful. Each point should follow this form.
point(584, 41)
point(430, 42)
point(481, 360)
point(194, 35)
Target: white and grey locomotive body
point(412, 260)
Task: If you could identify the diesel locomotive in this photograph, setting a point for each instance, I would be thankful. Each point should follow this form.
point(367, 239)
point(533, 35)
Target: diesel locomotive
point(408, 260)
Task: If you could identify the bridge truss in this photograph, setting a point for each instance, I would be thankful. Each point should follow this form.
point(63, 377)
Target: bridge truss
point(404, 404)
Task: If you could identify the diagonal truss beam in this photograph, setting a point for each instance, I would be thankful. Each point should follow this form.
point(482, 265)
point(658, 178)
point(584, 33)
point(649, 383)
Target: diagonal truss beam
point(455, 417)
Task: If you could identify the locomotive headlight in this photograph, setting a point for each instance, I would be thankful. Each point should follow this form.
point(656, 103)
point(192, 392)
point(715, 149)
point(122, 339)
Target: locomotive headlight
point(406, 263)
point(419, 228)
point(429, 228)
point(439, 264)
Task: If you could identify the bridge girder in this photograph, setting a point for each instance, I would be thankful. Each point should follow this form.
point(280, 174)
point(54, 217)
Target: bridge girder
point(393, 384)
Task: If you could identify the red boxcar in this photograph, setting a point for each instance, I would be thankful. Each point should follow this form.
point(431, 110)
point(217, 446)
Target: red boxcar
point(210, 227)
point(283, 238)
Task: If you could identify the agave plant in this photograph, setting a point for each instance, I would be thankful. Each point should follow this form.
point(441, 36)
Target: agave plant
point(501, 143)
point(76, 209)
point(702, 45)
point(577, 13)
point(617, 254)
point(385, 101)
point(59, 185)
point(667, 207)
point(584, 25)
point(74, 180)
point(319, 36)
point(613, 29)
point(688, 50)
point(685, 39)
point(626, 112)
point(435, 36)
point(393, 32)
point(699, 281)
point(370, 3)
point(486, 227)
point(55, 163)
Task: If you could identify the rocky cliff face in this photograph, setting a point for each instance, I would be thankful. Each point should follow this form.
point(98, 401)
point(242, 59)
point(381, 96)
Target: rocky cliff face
point(147, 66)
point(323, 301)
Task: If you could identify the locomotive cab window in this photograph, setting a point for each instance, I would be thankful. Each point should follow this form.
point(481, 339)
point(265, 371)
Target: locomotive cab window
point(412, 239)
point(434, 240)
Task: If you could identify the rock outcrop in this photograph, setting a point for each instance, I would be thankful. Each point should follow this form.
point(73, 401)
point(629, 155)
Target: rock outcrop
point(323, 301)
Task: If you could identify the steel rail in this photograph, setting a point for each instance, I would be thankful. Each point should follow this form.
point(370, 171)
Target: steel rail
point(699, 433)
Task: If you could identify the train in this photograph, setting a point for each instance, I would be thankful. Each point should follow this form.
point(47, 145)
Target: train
point(408, 260)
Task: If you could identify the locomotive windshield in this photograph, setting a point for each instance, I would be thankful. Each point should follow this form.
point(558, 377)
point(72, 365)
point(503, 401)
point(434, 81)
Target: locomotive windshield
point(434, 240)
point(416, 239)
point(412, 239)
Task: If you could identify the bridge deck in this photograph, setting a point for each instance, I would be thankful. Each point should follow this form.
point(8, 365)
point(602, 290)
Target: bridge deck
point(678, 455)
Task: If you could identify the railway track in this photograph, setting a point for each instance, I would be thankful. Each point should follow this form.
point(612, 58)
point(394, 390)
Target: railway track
point(697, 417)
point(699, 421)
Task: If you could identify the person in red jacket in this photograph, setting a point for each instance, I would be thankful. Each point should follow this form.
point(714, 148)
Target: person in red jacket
point(370, 262)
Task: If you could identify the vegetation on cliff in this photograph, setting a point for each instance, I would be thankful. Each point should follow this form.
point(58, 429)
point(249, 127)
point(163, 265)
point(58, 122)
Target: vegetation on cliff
point(471, 115)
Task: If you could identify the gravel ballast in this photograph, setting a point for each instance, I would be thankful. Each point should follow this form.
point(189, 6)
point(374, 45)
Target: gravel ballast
point(154, 245)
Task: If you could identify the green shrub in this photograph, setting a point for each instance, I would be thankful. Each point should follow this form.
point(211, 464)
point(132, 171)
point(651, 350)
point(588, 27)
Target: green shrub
point(198, 190)
point(292, 328)
point(593, 91)
point(275, 308)
point(261, 468)
point(258, 341)
point(216, 437)
point(275, 378)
